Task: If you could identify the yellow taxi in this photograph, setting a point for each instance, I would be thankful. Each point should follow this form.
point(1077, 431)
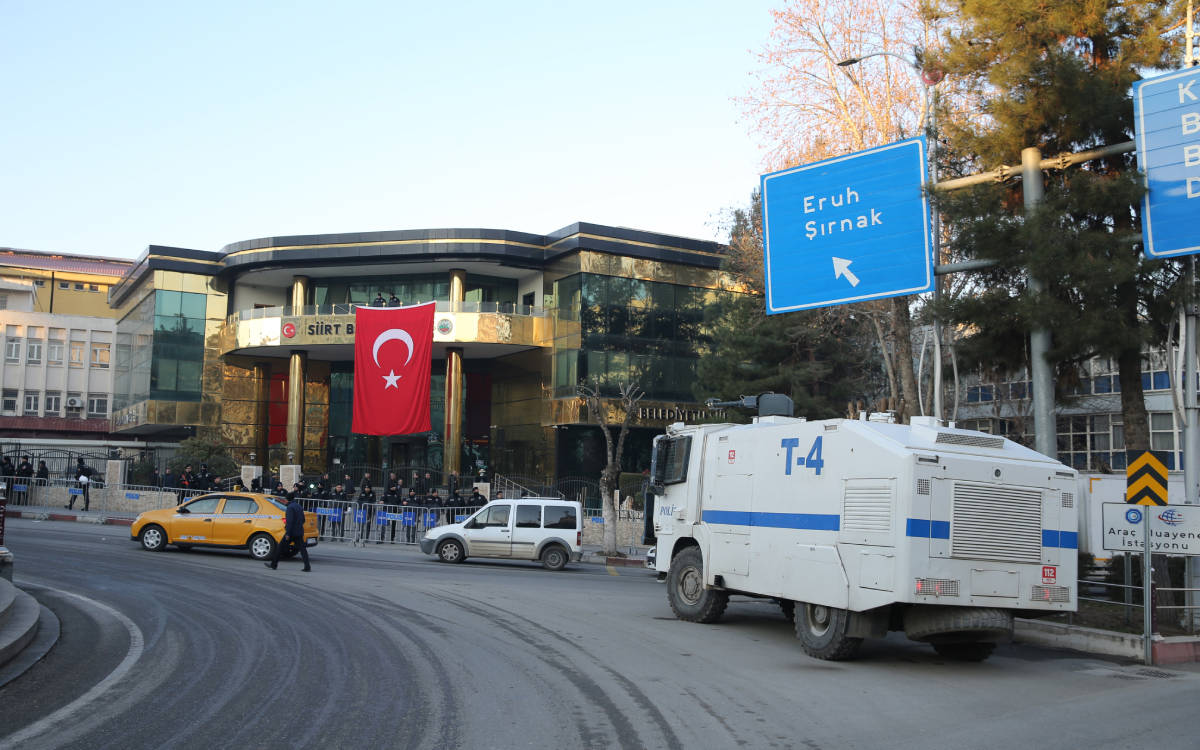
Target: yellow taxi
point(245, 520)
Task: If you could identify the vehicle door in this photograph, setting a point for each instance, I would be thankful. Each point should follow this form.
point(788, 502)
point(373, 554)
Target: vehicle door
point(235, 521)
point(527, 530)
point(193, 522)
point(489, 533)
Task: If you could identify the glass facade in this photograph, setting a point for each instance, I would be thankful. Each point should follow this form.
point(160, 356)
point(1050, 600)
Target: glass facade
point(411, 289)
point(648, 332)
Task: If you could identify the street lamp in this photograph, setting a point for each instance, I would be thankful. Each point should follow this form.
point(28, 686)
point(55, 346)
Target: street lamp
point(930, 77)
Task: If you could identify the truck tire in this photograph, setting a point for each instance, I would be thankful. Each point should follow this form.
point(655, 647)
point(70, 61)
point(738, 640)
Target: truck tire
point(938, 624)
point(689, 598)
point(822, 632)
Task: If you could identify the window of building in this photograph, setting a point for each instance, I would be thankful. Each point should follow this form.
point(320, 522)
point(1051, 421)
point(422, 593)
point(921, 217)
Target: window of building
point(78, 287)
point(100, 355)
point(39, 282)
point(32, 402)
point(1094, 442)
point(54, 351)
point(97, 406)
point(77, 353)
point(12, 350)
point(93, 287)
point(53, 403)
point(64, 285)
point(8, 401)
point(3, 301)
point(33, 352)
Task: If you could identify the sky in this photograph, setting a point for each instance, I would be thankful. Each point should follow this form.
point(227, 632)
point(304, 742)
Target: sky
point(201, 124)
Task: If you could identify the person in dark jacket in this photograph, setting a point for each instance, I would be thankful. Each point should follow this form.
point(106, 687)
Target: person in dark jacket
point(366, 503)
point(378, 301)
point(24, 477)
point(293, 533)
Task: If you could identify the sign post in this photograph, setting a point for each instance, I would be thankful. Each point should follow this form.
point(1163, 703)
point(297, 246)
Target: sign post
point(847, 229)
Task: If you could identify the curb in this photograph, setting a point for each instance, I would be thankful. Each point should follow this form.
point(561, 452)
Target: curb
point(72, 517)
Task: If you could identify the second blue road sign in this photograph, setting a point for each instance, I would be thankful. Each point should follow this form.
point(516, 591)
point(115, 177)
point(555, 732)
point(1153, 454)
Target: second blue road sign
point(847, 229)
point(1166, 112)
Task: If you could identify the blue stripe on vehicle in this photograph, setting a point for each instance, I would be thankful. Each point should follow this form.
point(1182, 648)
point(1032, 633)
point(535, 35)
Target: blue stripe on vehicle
point(1062, 539)
point(924, 529)
point(809, 521)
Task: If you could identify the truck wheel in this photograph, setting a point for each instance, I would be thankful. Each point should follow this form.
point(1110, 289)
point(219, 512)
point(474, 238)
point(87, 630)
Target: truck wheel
point(968, 651)
point(965, 624)
point(689, 598)
point(822, 632)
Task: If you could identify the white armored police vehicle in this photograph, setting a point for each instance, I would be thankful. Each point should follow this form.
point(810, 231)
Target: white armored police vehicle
point(858, 527)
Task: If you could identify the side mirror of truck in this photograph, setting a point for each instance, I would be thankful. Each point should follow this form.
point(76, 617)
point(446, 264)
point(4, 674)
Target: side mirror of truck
point(657, 488)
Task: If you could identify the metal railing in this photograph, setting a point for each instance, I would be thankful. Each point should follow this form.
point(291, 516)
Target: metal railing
point(503, 308)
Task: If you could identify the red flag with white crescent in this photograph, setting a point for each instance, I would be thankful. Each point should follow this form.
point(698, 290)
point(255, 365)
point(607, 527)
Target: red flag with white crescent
point(393, 355)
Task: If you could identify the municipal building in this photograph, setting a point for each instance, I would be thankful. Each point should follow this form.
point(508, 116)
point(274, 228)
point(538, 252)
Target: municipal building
point(254, 343)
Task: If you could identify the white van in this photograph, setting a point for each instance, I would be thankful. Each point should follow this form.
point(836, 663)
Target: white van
point(526, 528)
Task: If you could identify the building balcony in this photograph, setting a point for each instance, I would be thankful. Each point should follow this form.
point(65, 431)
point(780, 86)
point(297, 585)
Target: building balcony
point(326, 332)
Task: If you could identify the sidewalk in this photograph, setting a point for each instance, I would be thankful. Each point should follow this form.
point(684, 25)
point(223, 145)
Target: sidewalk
point(45, 513)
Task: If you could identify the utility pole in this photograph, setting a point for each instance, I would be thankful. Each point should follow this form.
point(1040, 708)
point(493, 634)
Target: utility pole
point(1041, 376)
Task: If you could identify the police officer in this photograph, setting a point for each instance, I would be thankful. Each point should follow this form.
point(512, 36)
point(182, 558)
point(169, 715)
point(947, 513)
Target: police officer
point(412, 515)
point(204, 478)
point(25, 477)
point(393, 300)
point(367, 502)
point(339, 495)
point(391, 497)
point(378, 301)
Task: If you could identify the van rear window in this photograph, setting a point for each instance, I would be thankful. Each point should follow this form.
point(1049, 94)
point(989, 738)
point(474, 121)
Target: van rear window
point(560, 517)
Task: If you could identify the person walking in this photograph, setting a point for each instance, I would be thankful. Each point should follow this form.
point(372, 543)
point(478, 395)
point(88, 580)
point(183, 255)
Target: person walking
point(83, 475)
point(293, 533)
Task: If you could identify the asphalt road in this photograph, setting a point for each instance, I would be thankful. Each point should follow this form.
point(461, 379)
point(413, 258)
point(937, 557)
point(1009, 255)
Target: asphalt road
point(384, 647)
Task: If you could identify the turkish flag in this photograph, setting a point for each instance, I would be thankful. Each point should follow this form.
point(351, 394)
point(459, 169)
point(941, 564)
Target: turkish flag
point(393, 354)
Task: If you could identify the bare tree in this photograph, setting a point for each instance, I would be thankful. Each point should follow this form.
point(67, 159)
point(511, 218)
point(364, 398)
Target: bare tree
point(806, 108)
point(630, 394)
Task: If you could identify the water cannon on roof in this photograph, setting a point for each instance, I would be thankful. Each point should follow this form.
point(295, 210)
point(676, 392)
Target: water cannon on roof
point(767, 404)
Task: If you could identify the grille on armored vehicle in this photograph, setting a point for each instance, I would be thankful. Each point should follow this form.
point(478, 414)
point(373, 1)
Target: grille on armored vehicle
point(975, 441)
point(1051, 594)
point(992, 522)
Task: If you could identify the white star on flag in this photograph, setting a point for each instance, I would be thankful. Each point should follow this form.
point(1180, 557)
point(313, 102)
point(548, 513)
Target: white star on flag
point(391, 379)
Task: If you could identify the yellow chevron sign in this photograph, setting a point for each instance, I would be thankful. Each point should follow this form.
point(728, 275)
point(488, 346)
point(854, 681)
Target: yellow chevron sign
point(1146, 481)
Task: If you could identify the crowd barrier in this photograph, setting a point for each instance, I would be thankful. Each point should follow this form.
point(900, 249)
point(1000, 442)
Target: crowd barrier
point(112, 501)
point(379, 523)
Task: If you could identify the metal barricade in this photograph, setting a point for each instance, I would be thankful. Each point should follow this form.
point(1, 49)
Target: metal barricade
point(335, 518)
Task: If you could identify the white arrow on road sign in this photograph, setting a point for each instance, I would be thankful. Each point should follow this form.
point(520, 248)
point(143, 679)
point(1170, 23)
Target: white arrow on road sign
point(841, 267)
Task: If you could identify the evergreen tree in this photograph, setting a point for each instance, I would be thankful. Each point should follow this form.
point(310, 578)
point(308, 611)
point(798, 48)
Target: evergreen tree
point(1056, 76)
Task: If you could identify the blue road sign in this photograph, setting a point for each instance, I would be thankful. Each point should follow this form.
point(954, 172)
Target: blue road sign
point(847, 229)
point(1167, 120)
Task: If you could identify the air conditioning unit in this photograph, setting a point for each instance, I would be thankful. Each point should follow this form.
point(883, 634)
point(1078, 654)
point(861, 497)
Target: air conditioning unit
point(74, 403)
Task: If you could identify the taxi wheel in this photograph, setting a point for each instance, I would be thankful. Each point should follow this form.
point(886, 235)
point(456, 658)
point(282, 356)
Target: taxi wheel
point(450, 551)
point(262, 546)
point(153, 538)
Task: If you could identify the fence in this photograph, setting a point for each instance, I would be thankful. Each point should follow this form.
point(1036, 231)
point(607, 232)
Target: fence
point(115, 501)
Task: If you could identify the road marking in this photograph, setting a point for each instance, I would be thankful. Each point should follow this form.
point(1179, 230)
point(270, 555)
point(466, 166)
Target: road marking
point(612, 571)
point(63, 716)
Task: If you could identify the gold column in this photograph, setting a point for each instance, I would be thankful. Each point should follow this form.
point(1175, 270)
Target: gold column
point(295, 425)
point(299, 293)
point(452, 446)
point(262, 398)
point(453, 433)
point(296, 366)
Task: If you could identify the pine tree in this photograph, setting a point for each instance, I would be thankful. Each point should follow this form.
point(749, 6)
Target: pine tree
point(1056, 76)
